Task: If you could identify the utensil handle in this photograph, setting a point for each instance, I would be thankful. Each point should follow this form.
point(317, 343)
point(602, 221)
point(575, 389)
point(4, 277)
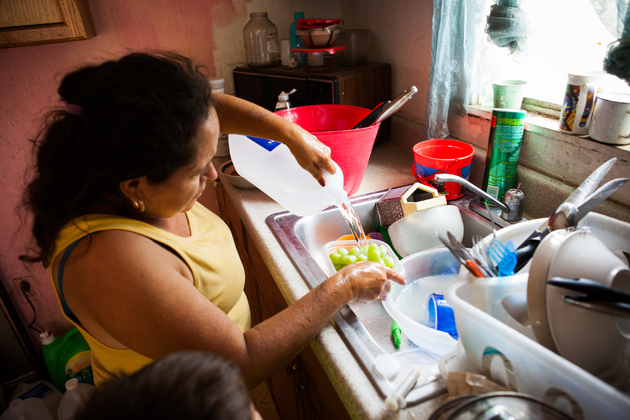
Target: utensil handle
point(372, 116)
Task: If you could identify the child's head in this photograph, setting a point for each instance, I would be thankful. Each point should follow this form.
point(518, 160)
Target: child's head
point(187, 385)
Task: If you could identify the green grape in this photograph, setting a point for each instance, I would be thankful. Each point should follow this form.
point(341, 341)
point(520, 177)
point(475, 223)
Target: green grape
point(389, 261)
point(362, 257)
point(349, 259)
point(354, 251)
point(364, 249)
point(381, 261)
point(374, 255)
point(373, 247)
point(334, 257)
point(342, 251)
point(383, 251)
point(338, 266)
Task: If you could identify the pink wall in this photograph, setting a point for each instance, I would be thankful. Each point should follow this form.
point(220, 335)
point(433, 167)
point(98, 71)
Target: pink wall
point(29, 77)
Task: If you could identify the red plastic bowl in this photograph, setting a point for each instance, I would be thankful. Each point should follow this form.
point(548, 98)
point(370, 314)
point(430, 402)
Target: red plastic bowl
point(332, 125)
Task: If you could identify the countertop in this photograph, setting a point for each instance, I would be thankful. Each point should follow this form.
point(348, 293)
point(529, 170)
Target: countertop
point(389, 166)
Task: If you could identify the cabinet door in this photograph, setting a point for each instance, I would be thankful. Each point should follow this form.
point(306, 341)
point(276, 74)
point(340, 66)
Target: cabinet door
point(31, 22)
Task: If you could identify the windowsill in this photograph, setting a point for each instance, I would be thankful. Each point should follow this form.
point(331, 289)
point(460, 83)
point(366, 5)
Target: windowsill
point(544, 121)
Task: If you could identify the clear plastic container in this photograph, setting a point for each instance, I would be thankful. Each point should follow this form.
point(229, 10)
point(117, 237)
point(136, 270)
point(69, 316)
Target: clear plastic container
point(262, 47)
point(75, 398)
point(508, 352)
point(272, 168)
point(429, 263)
point(333, 246)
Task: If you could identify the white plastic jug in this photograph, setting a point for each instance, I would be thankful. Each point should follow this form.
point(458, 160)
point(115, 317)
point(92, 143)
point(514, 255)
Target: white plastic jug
point(28, 409)
point(75, 398)
point(271, 167)
point(42, 390)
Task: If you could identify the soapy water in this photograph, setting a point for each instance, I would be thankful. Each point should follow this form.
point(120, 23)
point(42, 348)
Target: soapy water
point(413, 298)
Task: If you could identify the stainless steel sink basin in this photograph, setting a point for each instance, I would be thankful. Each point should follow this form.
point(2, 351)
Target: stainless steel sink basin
point(364, 327)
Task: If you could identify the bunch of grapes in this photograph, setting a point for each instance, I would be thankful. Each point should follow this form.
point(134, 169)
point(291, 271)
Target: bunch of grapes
point(373, 252)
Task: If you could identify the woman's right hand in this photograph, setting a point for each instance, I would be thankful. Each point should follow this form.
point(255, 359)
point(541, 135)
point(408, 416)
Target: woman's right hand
point(368, 280)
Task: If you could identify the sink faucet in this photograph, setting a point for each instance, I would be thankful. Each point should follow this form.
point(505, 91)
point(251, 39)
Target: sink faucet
point(508, 212)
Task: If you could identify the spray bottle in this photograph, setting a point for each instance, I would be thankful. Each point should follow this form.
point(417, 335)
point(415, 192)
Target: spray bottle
point(67, 357)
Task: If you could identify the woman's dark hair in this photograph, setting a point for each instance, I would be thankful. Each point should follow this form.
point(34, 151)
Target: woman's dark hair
point(128, 118)
point(187, 385)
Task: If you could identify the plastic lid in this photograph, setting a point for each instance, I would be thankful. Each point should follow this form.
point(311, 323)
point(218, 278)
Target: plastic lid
point(72, 383)
point(329, 50)
point(47, 337)
point(217, 83)
point(298, 14)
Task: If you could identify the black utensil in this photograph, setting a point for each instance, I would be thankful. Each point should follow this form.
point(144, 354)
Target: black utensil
point(594, 291)
point(372, 116)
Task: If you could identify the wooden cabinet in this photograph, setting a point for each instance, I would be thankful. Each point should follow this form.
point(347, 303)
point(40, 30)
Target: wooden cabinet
point(31, 22)
point(302, 389)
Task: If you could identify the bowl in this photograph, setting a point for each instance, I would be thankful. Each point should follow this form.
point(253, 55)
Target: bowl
point(229, 172)
point(358, 44)
point(319, 37)
point(333, 246)
point(423, 267)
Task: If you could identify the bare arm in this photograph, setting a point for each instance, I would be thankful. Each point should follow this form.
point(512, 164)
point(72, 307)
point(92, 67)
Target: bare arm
point(237, 116)
point(139, 294)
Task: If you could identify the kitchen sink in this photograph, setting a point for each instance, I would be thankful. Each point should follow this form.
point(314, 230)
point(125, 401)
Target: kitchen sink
point(365, 327)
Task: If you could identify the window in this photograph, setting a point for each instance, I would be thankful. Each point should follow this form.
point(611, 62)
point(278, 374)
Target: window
point(567, 36)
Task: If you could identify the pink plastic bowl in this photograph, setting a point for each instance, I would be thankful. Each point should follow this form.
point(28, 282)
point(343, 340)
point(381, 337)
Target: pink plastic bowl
point(332, 125)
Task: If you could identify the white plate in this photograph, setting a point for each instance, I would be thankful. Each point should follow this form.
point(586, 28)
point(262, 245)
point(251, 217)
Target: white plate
point(592, 340)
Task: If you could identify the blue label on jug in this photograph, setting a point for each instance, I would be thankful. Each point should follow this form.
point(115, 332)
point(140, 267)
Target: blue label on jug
point(39, 391)
point(264, 143)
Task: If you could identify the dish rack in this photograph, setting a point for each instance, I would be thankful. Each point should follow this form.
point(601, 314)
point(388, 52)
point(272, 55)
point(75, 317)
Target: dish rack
point(503, 349)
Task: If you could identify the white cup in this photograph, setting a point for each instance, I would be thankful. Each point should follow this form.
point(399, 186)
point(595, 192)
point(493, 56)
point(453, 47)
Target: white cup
point(579, 98)
point(285, 52)
point(611, 119)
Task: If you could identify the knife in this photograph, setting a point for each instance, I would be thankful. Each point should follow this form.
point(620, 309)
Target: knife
point(580, 202)
point(396, 104)
point(470, 266)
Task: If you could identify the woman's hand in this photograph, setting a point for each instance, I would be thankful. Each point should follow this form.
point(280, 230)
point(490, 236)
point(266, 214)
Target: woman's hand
point(368, 280)
point(310, 153)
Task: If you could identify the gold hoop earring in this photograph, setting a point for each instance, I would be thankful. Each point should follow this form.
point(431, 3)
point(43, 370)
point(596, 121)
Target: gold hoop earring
point(139, 205)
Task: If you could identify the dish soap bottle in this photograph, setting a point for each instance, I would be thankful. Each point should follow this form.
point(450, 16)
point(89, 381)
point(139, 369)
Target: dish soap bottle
point(283, 101)
point(67, 357)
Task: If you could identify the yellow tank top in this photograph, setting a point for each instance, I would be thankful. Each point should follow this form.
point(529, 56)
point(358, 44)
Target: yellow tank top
point(210, 254)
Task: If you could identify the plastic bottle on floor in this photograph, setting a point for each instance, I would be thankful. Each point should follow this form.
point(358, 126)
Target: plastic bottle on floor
point(41, 390)
point(28, 409)
point(75, 398)
point(67, 357)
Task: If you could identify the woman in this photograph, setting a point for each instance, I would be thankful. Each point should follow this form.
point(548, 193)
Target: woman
point(123, 166)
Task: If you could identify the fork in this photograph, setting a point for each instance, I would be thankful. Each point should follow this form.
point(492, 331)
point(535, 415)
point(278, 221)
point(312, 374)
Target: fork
point(481, 255)
point(504, 256)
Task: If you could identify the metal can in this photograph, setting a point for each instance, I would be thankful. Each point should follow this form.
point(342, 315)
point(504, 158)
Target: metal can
point(504, 146)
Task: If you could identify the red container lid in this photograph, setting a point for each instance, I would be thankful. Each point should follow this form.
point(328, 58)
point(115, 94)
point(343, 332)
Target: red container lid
point(304, 23)
point(330, 49)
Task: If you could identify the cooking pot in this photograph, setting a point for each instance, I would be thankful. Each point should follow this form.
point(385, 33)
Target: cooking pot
point(611, 118)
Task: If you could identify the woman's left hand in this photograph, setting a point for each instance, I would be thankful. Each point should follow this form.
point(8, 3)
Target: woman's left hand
point(310, 153)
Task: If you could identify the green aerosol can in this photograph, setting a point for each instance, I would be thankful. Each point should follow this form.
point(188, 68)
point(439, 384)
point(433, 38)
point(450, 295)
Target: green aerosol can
point(504, 147)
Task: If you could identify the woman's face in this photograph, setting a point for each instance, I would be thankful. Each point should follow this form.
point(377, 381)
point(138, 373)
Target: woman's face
point(182, 189)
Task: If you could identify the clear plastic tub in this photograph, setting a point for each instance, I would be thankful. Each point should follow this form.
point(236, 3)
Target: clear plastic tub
point(505, 350)
point(421, 265)
point(333, 246)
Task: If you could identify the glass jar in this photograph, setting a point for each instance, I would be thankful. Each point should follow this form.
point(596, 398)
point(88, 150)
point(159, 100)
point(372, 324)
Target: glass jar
point(261, 41)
